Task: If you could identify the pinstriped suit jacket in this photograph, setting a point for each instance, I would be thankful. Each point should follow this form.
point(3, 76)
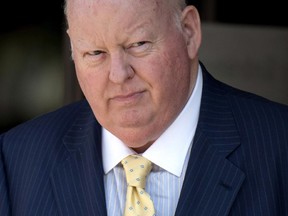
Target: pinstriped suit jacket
point(52, 165)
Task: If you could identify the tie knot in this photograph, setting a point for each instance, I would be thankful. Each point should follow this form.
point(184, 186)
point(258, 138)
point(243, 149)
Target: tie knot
point(136, 169)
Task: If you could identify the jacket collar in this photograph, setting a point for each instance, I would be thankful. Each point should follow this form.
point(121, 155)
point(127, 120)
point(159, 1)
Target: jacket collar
point(78, 180)
point(212, 181)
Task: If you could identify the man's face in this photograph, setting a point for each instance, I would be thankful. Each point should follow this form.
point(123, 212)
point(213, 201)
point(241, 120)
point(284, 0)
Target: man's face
point(132, 64)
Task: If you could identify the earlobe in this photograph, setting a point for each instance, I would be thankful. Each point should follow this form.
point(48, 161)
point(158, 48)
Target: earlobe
point(192, 30)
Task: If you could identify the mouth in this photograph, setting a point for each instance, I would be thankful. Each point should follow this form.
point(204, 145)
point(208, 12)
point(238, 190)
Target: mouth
point(129, 98)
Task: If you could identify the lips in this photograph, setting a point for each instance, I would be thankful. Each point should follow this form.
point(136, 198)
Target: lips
point(129, 97)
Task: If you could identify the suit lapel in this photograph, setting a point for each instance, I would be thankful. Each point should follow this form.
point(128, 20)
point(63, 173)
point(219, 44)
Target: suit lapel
point(78, 180)
point(212, 181)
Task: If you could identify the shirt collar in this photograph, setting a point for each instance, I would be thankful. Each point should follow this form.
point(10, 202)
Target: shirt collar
point(173, 143)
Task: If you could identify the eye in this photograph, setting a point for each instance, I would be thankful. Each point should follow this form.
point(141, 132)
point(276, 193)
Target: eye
point(95, 56)
point(138, 44)
point(139, 47)
point(95, 53)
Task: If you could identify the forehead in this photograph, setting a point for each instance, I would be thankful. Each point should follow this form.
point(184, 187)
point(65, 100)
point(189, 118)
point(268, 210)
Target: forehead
point(116, 16)
point(80, 8)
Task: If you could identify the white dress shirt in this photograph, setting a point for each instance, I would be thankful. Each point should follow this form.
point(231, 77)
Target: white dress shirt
point(169, 154)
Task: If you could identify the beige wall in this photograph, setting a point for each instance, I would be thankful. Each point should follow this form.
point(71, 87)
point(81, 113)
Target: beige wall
point(252, 58)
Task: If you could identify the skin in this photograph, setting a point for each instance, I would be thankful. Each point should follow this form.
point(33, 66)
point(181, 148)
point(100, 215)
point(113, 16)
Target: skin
point(136, 64)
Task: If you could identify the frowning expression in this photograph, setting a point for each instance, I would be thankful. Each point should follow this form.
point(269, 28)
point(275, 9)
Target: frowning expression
point(132, 64)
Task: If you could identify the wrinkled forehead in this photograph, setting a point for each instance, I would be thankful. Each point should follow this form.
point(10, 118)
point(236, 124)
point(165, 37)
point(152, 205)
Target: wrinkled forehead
point(72, 6)
point(127, 10)
point(154, 4)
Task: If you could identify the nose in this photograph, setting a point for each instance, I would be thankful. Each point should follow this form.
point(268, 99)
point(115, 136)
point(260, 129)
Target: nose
point(120, 69)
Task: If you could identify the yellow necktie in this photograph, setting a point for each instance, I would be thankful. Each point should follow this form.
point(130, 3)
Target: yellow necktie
point(138, 201)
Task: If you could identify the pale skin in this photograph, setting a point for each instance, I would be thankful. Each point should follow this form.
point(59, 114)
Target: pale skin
point(135, 63)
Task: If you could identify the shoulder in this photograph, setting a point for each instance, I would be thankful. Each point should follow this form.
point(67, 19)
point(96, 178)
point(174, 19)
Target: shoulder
point(247, 107)
point(262, 124)
point(48, 126)
point(243, 103)
point(39, 142)
point(63, 115)
point(254, 116)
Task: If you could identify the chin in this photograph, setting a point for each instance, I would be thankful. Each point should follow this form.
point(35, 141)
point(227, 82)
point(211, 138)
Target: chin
point(139, 145)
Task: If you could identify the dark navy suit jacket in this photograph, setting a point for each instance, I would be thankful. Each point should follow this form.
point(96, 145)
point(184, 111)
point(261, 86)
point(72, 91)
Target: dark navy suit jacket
point(238, 166)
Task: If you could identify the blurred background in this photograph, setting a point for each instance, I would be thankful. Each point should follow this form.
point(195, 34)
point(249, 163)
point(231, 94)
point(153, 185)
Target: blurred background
point(245, 44)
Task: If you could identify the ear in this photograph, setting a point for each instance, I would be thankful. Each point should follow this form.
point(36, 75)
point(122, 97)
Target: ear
point(71, 45)
point(191, 26)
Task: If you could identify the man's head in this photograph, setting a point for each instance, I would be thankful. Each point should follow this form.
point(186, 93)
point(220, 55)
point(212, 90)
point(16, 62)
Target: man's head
point(136, 62)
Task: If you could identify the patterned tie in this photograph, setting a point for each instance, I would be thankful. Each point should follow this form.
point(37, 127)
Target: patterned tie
point(138, 202)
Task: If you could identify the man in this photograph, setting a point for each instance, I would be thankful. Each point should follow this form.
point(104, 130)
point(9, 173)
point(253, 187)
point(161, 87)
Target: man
point(215, 150)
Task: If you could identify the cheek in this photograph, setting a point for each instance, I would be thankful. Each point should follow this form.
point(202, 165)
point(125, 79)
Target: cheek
point(94, 91)
point(171, 77)
point(83, 79)
point(170, 68)
point(90, 82)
